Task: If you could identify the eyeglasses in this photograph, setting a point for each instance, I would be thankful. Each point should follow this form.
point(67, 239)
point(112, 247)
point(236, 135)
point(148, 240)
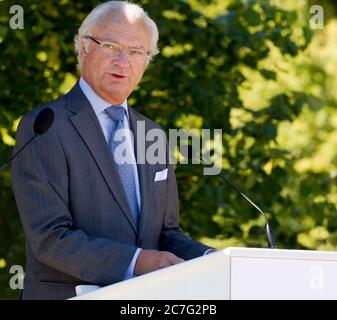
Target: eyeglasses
point(115, 49)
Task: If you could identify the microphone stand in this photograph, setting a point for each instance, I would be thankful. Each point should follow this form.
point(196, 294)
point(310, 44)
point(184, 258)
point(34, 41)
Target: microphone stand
point(3, 167)
point(269, 230)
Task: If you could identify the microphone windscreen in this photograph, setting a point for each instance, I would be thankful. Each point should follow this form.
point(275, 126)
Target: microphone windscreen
point(43, 121)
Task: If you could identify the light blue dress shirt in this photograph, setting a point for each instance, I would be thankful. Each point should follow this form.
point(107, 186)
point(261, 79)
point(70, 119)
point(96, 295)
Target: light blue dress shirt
point(99, 105)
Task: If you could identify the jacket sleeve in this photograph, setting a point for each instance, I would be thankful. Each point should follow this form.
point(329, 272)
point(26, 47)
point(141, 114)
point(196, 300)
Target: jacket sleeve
point(40, 184)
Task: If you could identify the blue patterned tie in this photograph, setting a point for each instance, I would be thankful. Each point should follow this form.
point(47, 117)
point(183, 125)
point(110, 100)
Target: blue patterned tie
point(125, 170)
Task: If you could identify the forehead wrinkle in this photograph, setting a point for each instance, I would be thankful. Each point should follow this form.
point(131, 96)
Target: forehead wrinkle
point(123, 20)
point(130, 35)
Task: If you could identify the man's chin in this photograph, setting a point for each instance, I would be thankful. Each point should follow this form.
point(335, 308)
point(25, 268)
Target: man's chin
point(115, 96)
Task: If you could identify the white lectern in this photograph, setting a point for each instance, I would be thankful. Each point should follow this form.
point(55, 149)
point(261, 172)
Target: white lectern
point(235, 273)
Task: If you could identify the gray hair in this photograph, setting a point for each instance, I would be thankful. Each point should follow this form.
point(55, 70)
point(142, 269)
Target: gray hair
point(130, 9)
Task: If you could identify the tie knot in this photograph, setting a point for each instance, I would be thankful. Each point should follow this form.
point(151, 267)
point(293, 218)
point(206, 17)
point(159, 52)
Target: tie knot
point(115, 113)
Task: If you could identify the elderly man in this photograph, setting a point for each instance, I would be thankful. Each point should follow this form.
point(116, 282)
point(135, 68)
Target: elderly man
point(89, 219)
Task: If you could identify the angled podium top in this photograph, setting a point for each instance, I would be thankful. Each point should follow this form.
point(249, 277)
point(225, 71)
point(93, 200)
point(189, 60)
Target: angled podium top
point(235, 273)
point(281, 253)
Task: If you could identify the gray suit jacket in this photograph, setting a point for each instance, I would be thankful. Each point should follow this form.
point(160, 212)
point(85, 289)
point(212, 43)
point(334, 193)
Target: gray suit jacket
point(78, 225)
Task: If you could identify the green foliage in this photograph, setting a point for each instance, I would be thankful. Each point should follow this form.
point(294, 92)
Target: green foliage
point(213, 56)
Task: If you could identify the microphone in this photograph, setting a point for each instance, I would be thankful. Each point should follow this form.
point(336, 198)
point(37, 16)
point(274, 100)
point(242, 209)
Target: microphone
point(191, 154)
point(42, 124)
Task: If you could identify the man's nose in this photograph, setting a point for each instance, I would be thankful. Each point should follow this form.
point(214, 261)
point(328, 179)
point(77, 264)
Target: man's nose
point(122, 58)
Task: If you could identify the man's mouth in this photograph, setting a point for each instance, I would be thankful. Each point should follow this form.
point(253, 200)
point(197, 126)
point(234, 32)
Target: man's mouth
point(118, 76)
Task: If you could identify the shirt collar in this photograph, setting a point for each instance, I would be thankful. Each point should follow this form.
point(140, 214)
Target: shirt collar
point(99, 105)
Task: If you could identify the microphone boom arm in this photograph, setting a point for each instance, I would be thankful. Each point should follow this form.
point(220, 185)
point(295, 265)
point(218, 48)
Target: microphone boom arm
point(269, 230)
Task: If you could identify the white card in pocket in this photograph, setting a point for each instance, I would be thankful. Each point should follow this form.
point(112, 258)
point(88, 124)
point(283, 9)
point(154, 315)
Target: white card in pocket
point(161, 175)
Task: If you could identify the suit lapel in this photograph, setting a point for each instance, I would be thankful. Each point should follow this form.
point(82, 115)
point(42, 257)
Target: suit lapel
point(87, 125)
point(144, 170)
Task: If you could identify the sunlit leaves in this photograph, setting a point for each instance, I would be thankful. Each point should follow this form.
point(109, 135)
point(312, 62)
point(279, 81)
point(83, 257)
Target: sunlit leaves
point(236, 65)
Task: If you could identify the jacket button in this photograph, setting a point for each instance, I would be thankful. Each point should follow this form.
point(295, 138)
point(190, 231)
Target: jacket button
point(140, 242)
